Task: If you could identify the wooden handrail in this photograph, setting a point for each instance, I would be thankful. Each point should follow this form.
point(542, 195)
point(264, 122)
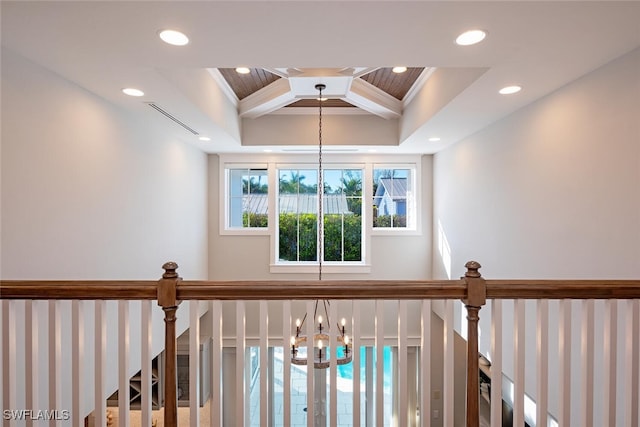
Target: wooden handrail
point(79, 289)
point(563, 289)
point(327, 289)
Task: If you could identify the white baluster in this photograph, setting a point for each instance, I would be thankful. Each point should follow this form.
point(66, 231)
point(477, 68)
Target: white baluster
point(146, 335)
point(216, 363)
point(587, 351)
point(425, 364)
point(542, 362)
point(55, 351)
point(100, 350)
point(264, 364)
point(240, 362)
point(31, 357)
point(355, 343)
point(77, 363)
point(610, 362)
point(403, 393)
point(564, 373)
point(448, 384)
point(519, 308)
point(9, 346)
point(379, 363)
point(194, 363)
point(286, 363)
point(333, 371)
point(632, 364)
point(124, 395)
point(310, 369)
point(496, 363)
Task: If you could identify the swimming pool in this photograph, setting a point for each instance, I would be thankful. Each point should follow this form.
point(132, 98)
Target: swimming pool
point(346, 371)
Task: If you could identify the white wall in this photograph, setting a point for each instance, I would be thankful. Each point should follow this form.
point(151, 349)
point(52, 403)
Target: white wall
point(91, 192)
point(552, 191)
point(229, 254)
point(351, 129)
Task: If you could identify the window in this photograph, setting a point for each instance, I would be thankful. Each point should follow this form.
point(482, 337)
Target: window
point(248, 203)
point(298, 215)
point(394, 198)
point(276, 196)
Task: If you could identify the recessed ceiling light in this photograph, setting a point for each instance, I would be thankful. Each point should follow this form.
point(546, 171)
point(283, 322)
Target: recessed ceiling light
point(372, 150)
point(132, 91)
point(471, 37)
point(204, 138)
point(508, 90)
point(174, 37)
point(243, 70)
point(434, 139)
point(322, 99)
point(399, 70)
point(267, 150)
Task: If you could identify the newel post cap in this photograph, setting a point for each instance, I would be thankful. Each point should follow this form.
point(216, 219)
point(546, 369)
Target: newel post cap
point(472, 269)
point(170, 268)
point(167, 286)
point(476, 286)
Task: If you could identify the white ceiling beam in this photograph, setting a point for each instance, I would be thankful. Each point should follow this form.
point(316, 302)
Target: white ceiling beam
point(361, 71)
point(270, 98)
point(280, 72)
point(373, 100)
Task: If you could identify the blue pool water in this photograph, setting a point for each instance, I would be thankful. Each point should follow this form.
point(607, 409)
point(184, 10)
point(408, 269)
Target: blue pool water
point(346, 371)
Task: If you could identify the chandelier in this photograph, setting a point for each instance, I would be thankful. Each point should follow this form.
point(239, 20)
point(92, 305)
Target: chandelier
point(322, 333)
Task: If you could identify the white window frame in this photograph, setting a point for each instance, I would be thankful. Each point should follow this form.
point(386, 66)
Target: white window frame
point(416, 201)
point(362, 266)
point(225, 228)
point(274, 162)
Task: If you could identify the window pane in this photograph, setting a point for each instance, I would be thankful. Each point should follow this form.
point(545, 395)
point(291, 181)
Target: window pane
point(353, 237)
point(248, 203)
point(297, 211)
point(392, 198)
point(288, 237)
point(341, 208)
point(308, 239)
point(333, 237)
point(308, 182)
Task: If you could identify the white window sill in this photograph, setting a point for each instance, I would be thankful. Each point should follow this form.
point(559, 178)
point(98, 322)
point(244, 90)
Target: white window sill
point(313, 268)
point(395, 231)
point(248, 231)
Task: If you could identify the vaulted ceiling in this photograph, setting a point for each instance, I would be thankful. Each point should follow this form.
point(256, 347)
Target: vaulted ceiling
point(448, 92)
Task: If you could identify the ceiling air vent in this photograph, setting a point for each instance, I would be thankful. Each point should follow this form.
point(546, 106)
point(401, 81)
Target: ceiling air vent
point(171, 117)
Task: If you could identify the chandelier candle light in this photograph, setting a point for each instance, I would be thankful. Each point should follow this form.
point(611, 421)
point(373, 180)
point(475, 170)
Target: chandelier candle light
point(321, 360)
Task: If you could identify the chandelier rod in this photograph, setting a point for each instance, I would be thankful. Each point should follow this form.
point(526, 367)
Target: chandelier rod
point(320, 87)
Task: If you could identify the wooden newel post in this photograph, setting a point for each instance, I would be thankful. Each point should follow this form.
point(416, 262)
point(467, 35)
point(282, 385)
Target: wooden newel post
point(476, 298)
point(167, 290)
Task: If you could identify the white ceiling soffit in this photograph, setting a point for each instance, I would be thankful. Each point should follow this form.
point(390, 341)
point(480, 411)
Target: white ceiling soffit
point(105, 46)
